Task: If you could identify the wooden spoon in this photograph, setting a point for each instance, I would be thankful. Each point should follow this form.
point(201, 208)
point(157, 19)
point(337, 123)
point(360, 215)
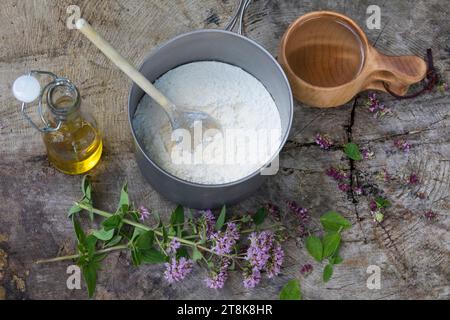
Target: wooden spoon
point(180, 117)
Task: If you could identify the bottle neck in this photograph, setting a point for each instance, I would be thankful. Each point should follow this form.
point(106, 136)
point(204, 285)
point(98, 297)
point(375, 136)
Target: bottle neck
point(63, 101)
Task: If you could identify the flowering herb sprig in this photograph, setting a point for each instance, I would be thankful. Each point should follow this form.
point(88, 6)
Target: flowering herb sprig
point(378, 207)
point(402, 145)
point(341, 177)
point(413, 179)
point(367, 154)
point(378, 109)
point(324, 141)
point(220, 244)
point(302, 218)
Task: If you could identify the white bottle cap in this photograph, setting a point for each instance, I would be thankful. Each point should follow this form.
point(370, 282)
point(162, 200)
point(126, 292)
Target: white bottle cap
point(26, 88)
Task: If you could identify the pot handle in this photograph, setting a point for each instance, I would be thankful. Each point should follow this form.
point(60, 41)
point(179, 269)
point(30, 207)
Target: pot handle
point(238, 17)
point(395, 73)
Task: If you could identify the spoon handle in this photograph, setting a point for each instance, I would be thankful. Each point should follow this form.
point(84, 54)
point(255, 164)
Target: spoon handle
point(123, 64)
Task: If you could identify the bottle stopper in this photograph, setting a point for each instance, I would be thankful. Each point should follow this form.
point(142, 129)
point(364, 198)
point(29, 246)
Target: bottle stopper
point(26, 88)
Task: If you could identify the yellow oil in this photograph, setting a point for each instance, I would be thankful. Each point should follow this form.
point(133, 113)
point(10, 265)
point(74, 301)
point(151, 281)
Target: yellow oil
point(75, 148)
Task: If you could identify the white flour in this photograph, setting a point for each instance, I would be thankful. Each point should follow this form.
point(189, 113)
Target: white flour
point(231, 95)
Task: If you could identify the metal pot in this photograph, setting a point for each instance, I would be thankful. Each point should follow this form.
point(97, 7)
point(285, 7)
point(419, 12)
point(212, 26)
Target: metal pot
point(212, 45)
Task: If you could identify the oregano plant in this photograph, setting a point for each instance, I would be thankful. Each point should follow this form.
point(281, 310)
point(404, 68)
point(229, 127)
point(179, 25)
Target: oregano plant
point(220, 244)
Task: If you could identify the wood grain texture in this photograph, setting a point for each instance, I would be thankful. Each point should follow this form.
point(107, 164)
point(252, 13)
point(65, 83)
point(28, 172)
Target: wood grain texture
point(412, 252)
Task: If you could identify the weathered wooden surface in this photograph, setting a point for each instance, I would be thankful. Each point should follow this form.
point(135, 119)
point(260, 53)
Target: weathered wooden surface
point(412, 253)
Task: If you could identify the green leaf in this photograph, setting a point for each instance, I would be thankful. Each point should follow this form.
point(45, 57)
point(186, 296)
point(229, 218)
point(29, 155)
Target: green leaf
point(314, 247)
point(327, 272)
point(382, 203)
point(81, 236)
point(352, 151)
point(152, 256)
point(91, 241)
point(74, 210)
point(115, 240)
point(331, 242)
point(177, 220)
point(196, 254)
point(124, 202)
point(333, 221)
point(136, 257)
point(86, 187)
point(145, 240)
point(112, 222)
point(143, 251)
point(221, 220)
point(99, 257)
point(103, 235)
point(90, 276)
point(335, 260)
point(260, 216)
point(136, 233)
point(177, 215)
point(88, 192)
point(134, 216)
point(291, 291)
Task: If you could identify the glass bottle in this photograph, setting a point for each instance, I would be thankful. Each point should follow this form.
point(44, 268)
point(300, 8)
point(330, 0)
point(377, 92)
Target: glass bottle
point(74, 144)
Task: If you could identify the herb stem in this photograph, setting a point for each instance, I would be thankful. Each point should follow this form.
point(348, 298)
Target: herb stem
point(146, 228)
point(76, 256)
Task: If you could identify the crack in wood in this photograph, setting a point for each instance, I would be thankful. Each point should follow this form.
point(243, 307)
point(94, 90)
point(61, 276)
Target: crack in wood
point(352, 168)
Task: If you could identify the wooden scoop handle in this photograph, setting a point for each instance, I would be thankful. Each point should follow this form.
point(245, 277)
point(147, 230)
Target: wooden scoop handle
point(122, 63)
point(395, 72)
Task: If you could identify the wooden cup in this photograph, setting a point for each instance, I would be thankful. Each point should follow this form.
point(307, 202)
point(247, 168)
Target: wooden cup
point(328, 60)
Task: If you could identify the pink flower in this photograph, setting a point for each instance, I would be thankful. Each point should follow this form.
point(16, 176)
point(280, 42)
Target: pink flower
point(210, 222)
point(174, 245)
point(358, 191)
point(264, 254)
point(430, 215)
point(336, 174)
point(378, 109)
point(143, 213)
point(217, 280)
point(324, 141)
point(413, 179)
point(224, 241)
point(274, 266)
point(403, 145)
point(306, 269)
point(177, 270)
point(252, 279)
point(367, 154)
point(344, 187)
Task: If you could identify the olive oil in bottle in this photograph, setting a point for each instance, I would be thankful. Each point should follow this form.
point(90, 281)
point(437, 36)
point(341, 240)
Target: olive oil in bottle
point(74, 144)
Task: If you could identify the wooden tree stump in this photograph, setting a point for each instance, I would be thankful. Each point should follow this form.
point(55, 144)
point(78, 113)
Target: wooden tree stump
point(412, 252)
